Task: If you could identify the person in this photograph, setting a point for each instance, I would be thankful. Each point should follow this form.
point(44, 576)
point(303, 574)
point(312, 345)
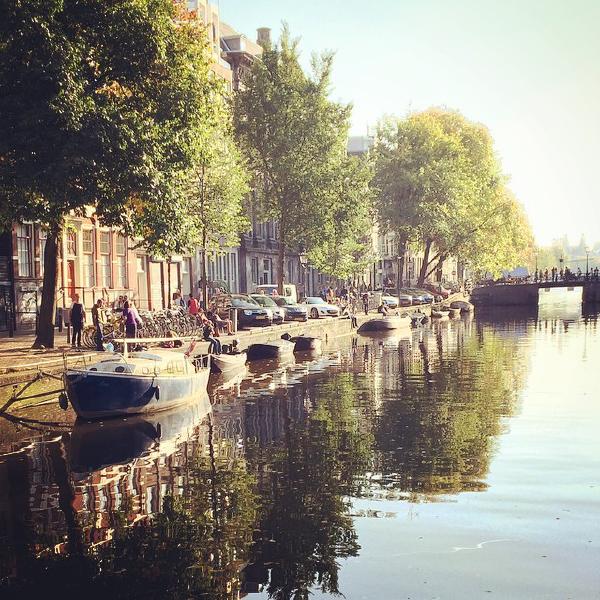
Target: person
point(77, 320)
point(365, 301)
point(352, 314)
point(193, 305)
point(225, 324)
point(536, 276)
point(99, 320)
point(546, 275)
point(561, 273)
point(383, 309)
point(209, 335)
point(330, 295)
point(132, 319)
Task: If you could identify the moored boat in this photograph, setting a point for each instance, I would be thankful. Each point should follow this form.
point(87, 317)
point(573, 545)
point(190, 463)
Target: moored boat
point(220, 363)
point(142, 382)
point(307, 343)
point(439, 315)
point(463, 305)
point(273, 349)
point(389, 323)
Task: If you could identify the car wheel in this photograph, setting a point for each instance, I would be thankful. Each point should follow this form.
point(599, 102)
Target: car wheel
point(314, 313)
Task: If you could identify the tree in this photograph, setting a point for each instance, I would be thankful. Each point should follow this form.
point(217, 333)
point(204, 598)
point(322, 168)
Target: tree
point(440, 185)
point(217, 185)
point(343, 249)
point(102, 105)
point(294, 137)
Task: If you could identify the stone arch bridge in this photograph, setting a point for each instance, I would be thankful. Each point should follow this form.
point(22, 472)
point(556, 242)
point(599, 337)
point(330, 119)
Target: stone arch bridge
point(527, 294)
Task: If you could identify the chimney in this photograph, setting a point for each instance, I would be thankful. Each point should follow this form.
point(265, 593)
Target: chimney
point(263, 36)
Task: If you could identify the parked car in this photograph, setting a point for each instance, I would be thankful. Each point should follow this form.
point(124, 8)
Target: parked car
point(249, 312)
point(425, 296)
point(317, 307)
point(392, 299)
point(417, 297)
point(293, 311)
point(269, 302)
point(270, 289)
point(437, 289)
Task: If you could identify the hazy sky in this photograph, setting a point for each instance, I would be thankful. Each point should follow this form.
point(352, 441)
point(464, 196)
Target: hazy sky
point(528, 69)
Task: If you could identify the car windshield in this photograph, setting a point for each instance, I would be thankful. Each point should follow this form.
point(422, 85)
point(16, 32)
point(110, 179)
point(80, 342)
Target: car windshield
point(282, 301)
point(264, 300)
point(243, 302)
point(315, 300)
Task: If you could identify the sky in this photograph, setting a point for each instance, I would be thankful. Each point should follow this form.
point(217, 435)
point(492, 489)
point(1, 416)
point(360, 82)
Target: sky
point(527, 69)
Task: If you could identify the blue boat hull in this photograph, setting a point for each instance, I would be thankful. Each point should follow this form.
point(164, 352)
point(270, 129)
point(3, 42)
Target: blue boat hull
point(96, 395)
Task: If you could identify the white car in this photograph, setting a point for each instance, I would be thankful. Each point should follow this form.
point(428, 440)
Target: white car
point(317, 307)
point(393, 300)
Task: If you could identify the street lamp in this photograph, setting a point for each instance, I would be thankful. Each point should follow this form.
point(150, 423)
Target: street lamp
point(587, 262)
point(304, 264)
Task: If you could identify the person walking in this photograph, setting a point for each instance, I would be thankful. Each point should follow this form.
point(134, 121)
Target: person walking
point(99, 321)
point(365, 301)
point(77, 314)
point(193, 305)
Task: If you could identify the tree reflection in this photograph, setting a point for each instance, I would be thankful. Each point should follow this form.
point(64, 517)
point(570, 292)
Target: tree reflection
point(436, 430)
point(306, 525)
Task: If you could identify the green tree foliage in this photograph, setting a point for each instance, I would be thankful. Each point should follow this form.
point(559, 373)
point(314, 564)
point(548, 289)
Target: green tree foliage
point(216, 187)
point(295, 140)
point(439, 184)
point(342, 249)
point(102, 105)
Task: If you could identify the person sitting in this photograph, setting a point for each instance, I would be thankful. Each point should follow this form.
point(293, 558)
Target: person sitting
point(224, 325)
point(214, 346)
point(383, 309)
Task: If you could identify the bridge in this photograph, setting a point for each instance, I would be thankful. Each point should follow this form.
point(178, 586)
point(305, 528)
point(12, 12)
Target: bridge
point(527, 294)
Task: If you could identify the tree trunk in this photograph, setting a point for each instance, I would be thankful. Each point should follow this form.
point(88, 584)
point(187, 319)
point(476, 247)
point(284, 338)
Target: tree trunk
point(281, 260)
point(425, 265)
point(203, 281)
point(401, 261)
point(45, 332)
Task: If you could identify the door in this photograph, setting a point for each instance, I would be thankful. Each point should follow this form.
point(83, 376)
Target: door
point(156, 294)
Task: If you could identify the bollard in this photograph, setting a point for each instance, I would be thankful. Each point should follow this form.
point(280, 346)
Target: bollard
point(234, 318)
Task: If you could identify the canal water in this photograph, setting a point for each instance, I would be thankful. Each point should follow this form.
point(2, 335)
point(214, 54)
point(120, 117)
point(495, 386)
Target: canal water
point(461, 460)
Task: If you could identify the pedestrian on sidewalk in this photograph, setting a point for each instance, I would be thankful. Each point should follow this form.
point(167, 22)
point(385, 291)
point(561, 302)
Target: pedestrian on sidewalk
point(77, 320)
point(193, 305)
point(99, 321)
point(132, 319)
point(365, 302)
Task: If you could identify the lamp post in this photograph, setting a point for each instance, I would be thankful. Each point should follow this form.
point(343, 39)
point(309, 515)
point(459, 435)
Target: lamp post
point(304, 264)
point(587, 262)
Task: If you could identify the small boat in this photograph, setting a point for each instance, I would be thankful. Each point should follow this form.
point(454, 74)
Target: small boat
point(439, 315)
point(274, 349)
point(307, 343)
point(142, 382)
point(465, 307)
point(418, 318)
point(389, 323)
point(220, 363)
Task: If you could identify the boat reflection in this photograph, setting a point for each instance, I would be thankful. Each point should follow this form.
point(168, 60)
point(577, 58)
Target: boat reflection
point(99, 444)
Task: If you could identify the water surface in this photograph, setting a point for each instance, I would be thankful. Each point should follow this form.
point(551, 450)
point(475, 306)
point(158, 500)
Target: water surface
point(459, 461)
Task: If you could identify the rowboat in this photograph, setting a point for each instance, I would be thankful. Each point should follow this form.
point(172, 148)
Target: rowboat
point(274, 349)
point(307, 343)
point(220, 363)
point(389, 323)
point(141, 382)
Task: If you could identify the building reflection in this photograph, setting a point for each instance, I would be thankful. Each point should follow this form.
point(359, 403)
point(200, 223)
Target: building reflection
point(253, 489)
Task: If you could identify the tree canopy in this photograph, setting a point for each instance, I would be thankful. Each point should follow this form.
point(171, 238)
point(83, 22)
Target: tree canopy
point(103, 105)
point(295, 140)
point(440, 185)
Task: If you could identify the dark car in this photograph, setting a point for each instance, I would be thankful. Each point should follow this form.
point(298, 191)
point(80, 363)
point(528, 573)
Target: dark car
point(437, 289)
point(293, 311)
point(249, 312)
point(269, 302)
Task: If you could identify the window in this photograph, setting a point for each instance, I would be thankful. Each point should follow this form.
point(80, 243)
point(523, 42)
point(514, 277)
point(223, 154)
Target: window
point(43, 236)
point(291, 271)
point(87, 263)
point(105, 264)
point(24, 250)
point(255, 270)
point(71, 242)
point(121, 249)
point(266, 275)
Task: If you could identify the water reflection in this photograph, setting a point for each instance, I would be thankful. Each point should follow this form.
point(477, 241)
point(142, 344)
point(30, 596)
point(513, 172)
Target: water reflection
point(257, 492)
